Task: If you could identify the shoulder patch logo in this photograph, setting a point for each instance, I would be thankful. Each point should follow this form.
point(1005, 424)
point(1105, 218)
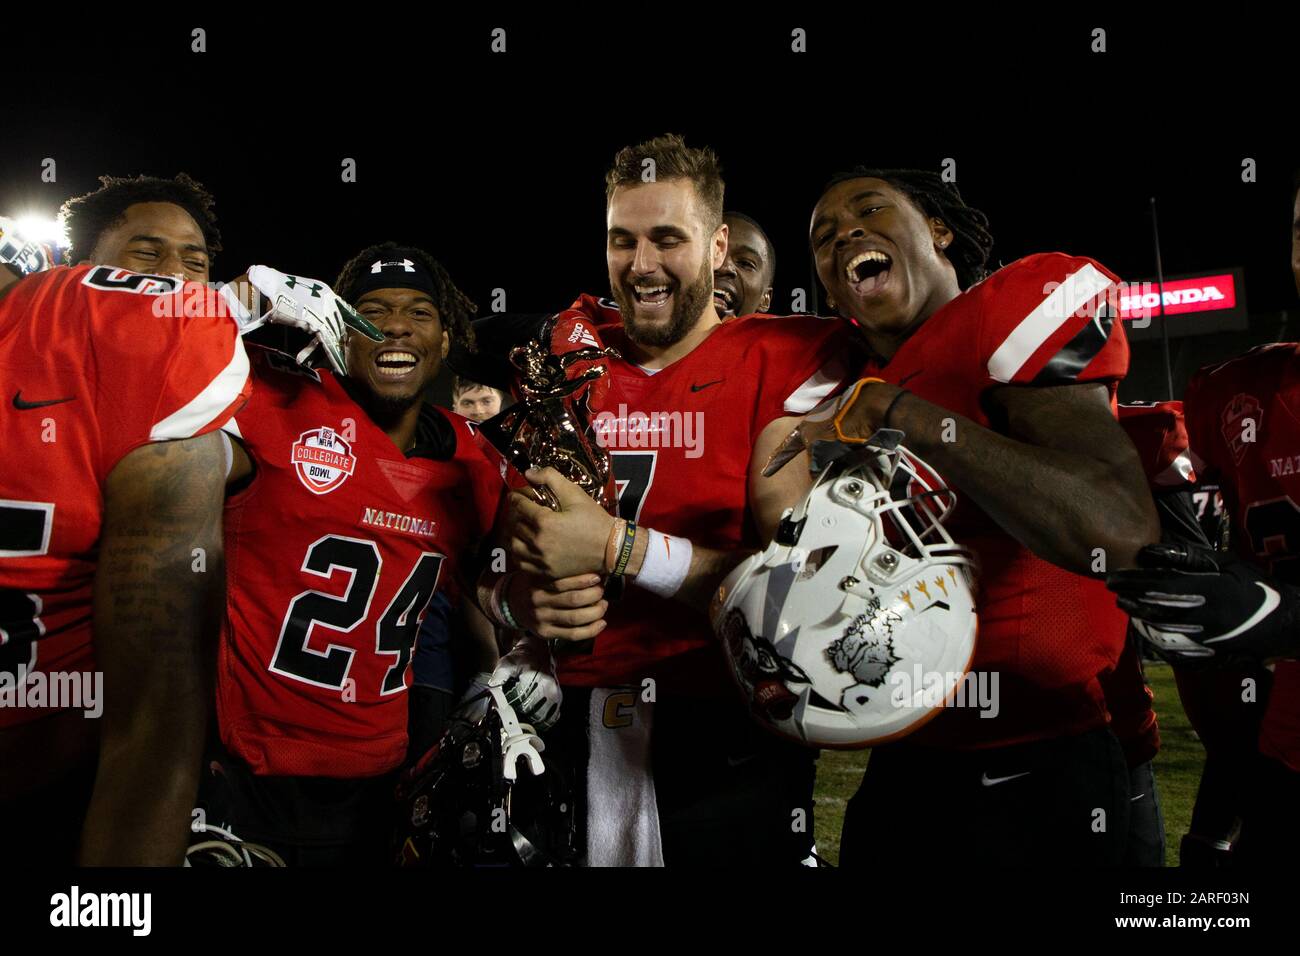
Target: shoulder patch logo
point(323, 460)
point(1243, 416)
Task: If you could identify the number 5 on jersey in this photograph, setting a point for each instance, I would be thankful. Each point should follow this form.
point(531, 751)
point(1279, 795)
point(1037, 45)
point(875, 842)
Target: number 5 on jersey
point(25, 528)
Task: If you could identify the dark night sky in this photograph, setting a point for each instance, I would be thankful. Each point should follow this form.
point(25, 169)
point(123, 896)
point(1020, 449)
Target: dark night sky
point(495, 164)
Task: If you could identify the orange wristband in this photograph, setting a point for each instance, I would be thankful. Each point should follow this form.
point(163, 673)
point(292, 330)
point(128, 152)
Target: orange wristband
point(846, 406)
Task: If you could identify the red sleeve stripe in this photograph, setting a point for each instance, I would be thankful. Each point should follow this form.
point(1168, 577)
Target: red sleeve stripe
point(1065, 301)
point(819, 386)
point(216, 398)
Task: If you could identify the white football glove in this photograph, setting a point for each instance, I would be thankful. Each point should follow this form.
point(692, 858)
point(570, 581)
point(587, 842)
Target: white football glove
point(312, 306)
point(527, 676)
point(23, 255)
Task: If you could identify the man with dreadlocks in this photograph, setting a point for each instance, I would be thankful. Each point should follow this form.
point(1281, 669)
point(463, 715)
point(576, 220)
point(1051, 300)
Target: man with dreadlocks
point(350, 500)
point(1005, 383)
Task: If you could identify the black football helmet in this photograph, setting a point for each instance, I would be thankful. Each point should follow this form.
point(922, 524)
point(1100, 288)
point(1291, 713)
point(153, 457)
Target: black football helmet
point(482, 796)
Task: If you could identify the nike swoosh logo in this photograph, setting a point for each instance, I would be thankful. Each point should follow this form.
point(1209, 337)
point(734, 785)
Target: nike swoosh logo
point(1271, 601)
point(700, 388)
point(1137, 798)
point(907, 378)
point(22, 405)
point(740, 761)
point(994, 781)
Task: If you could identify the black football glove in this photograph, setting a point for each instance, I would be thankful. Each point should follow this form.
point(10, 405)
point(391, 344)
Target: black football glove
point(1193, 604)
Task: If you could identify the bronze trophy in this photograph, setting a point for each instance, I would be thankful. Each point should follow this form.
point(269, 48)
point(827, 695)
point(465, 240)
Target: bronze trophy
point(550, 424)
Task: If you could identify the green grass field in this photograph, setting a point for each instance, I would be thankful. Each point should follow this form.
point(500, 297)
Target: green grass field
point(1178, 772)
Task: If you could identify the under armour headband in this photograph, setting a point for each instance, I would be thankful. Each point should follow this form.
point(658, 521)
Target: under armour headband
point(395, 272)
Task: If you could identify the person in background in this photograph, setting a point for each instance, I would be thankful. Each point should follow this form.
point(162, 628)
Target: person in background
point(742, 285)
point(1237, 611)
point(476, 402)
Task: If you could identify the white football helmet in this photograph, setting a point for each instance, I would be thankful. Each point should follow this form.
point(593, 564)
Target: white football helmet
point(857, 623)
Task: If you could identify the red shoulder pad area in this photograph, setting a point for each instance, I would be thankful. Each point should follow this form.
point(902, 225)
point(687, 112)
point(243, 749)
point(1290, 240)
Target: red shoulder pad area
point(1051, 319)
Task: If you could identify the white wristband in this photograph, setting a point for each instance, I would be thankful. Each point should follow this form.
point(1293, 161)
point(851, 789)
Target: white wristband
point(667, 559)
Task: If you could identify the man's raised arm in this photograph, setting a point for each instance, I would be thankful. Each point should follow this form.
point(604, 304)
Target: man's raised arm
point(158, 596)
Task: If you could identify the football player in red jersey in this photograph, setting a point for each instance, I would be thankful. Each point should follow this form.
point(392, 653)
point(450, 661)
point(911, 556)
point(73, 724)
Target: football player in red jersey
point(676, 771)
point(742, 285)
point(145, 224)
point(295, 775)
point(168, 227)
point(111, 560)
point(1157, 432)
point(1005, 384)
point(1226, 724)
point(351, 501)
point(1243, 605)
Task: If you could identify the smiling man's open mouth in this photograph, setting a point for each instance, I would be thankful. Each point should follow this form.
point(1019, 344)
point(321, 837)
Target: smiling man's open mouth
point(868, 271)
point(396, 363)
point(651, 295)
point(725, 301)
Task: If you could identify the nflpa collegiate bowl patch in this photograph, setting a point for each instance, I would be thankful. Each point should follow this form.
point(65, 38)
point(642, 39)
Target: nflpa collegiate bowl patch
point(323, 460)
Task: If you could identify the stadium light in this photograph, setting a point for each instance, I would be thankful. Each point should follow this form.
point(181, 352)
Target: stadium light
point(43, 229)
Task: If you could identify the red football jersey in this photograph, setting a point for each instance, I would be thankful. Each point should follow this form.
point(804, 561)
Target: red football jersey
point(681, 439)
point(1242, 423)
point(93, 370)
point(333, 551)
point(1047, 633)
point(1157, 431)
